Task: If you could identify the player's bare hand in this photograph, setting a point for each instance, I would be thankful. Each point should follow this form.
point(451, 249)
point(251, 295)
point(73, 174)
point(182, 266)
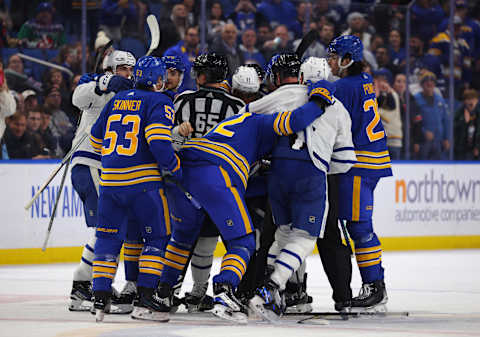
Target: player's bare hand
point(185, 129)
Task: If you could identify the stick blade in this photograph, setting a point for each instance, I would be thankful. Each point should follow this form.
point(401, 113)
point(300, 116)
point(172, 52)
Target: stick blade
point(154, 33)
point(307, 40)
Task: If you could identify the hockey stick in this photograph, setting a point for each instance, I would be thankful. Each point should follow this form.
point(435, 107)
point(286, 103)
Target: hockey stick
point(54, 212)
point(154, 33)
point(46, 63)
point(307, 40)
point(320, 314)
point(190, 197)
point(65, 160)
point(343, 227)
point(99, 57)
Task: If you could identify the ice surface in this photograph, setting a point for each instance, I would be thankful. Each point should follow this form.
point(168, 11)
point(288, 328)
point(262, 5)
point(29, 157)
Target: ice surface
point(440, 289)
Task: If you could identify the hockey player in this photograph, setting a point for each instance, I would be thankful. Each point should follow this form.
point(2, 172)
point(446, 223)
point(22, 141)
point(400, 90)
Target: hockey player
point(176, 72)
point(197, 112)
point(90, 96)
point(298, 193)
point(246, 84)
point(216, 169)
point(133, 136)
point(356, 91)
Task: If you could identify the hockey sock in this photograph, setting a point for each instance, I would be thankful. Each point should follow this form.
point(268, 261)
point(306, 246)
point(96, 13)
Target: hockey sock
point(131, 254)
point(83, 272)
point(298, 246)
point(202, 258)
point(176, 257)
point(368, 250)
point(235, 260)
point(105, 263)
point(281, 236)
point(151, 263)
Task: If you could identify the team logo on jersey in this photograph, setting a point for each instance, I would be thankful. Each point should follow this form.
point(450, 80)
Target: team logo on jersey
point(229, 222)
point(148, 229)
point(311, 219)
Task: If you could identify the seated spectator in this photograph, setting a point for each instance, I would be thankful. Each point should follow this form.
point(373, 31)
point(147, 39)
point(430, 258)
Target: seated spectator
point(113, 13)
point(7, 101)
point(19, 143)
point(382, 56)
point(70, 59)
point(215, 21)
point(246, 16)
point(250, 53)
point(277, 12)
point(298, 27)
point(34, 121)
point(467, 128)
point(280, 44)
point(30, 99)
point(45, 132)
point(226, 44)
point(187, 50)
point(397, 52)
point(16, 77)
point(332, 12)
point(433, 111)
point(41, 32)
point(54, 79)
point(173, 28)
point(426, 17)
point(318, 48)
point(264, 34)
point(389, 109)
point(376, 41)
point(357, 25)
point(61, 126)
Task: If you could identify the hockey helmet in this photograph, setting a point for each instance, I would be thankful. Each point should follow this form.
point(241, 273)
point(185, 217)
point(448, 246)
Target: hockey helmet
point(118, 58)
point(347, 45)
point(174, 62)
point(245, 79)
point(285, 65)
point(214, 66)
point(147, 71)
point(315, 69)
point(258, 69)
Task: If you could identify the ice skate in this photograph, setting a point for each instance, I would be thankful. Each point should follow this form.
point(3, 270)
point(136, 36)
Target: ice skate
point(268, 302)
point(197, 300)
point(101, 304)
point(81, 296)
point(372, 298)
point(296, 298)
point(227, 306)
point(151, 306)
point(122, 303)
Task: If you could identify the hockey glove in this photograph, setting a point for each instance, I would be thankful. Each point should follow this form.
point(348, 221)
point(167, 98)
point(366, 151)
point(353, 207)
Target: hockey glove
point(321, 92)
point(108, 83)
point(88, 77)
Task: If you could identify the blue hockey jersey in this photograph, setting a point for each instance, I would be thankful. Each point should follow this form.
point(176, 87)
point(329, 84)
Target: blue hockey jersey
point(369, 139)
point(239, 141)
point(133, 135)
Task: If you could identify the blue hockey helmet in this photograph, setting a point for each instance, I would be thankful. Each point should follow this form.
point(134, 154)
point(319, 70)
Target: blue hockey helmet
point(174, 62)
point(147, 71)
point(347, 45)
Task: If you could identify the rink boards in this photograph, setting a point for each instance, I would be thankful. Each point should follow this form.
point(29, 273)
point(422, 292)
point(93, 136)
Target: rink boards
point(433, 205)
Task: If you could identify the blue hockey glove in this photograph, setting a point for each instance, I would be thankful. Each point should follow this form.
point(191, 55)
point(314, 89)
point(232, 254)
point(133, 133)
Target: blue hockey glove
point(321, 92)
point(88, 77)
point(108, 83)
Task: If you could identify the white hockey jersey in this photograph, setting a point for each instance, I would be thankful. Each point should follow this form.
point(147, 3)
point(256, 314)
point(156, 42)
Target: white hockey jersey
point(7, 108)
point(91, 104)
point(328, 138)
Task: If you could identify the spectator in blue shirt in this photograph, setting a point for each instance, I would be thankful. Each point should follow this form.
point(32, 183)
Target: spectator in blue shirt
point(426, 18)
point(278, 11)
point(250, 53)
point(433, 110)
point(113, 13)
point(395, 44)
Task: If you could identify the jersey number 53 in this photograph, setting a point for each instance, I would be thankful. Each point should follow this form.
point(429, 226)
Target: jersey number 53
point(131, 122)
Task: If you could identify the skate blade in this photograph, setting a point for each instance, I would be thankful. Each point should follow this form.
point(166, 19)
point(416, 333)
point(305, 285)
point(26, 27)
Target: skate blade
point(256, 304)
point(120, 309)
point(80, 305)
point(376, 309)
point(99, 315)
point(148, 315)
point(300, 308)
point(224, 313)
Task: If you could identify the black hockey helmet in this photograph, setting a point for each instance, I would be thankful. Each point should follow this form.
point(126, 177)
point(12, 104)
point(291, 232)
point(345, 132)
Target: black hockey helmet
point(258, 69)
point(214, 66)
point(286, 65)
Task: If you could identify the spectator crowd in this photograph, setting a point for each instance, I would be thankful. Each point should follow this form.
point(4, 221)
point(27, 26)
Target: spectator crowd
point(37, 118)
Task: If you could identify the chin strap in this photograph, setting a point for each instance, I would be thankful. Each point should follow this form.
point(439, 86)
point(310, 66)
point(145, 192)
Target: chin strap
point(342, 68)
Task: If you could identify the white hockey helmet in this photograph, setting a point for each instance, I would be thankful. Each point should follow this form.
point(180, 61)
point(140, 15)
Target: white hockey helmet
point(246, 79)
point(117, 58)
point(315, 69)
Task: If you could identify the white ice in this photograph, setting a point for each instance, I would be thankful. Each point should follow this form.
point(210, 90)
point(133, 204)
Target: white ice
point(440, 289)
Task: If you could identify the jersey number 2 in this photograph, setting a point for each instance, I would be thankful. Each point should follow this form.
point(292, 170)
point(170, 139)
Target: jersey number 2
point(368, 106)
point(131, 135)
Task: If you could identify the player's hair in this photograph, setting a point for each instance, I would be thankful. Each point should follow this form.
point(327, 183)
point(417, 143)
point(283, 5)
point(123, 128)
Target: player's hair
point(356, 68)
